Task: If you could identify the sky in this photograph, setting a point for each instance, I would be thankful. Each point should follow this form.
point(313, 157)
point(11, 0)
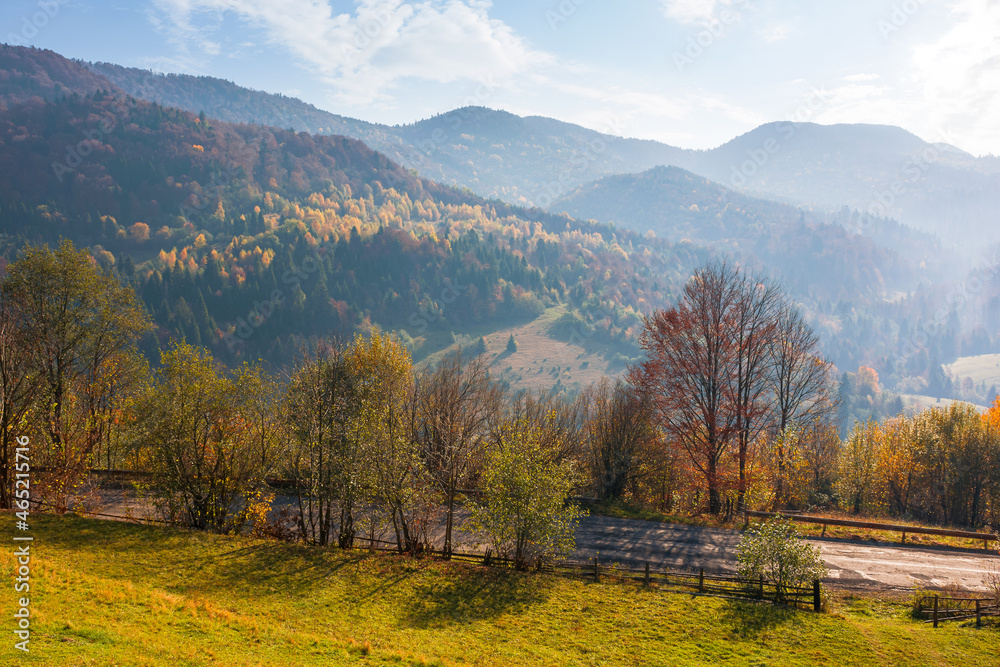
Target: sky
point(691, 73)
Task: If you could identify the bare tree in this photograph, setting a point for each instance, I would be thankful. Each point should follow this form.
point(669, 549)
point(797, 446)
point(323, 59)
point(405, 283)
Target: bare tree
point(752, 332)
point(619, 435)
point(717, 359)
point(455, 404)
point(801, 385)
point(688, 371)
point(558, 419)
point(19, 384)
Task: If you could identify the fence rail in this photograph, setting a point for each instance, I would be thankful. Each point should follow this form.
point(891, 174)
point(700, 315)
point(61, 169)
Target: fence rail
point(938, 609)
point(699, 582)
point(824, 521)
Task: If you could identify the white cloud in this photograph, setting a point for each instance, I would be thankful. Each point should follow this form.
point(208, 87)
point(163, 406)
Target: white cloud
point(690, 11)
point(364, 55)
point(698, 11)
point(860, 77)
point(777, 33)
point(959, 76)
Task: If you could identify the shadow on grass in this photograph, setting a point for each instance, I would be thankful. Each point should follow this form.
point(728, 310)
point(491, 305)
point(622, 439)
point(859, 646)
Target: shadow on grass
point(178, 554)
point(749, 620)
point(293, 567)
point(475, 594)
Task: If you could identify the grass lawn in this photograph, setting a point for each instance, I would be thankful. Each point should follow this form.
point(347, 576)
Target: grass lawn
point(108, 593)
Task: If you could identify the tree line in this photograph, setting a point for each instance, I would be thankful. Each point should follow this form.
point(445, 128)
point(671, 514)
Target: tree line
point(732, 408)
point(940, 465)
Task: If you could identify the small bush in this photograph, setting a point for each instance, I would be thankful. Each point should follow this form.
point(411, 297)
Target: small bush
point(775, 551)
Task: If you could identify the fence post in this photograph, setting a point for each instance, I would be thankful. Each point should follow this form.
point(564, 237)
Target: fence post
point(979, 615)
point(647, 573)
point(903, 541)
point(597, 570)
point(701, 580)
point(935, 610)
point(817, 602)
point(762, 587)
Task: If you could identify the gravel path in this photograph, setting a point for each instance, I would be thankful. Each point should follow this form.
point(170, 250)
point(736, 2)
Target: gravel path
point(853, 564)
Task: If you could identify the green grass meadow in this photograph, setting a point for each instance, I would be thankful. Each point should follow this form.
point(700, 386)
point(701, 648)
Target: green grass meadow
point(110, 593)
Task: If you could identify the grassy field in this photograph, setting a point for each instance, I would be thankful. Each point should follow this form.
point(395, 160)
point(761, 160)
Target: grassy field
point(982, 368)
point(916, 403)
point(540, 361)
point(107, 593)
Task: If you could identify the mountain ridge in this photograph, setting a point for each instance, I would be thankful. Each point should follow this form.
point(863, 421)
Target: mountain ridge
point(808, 164)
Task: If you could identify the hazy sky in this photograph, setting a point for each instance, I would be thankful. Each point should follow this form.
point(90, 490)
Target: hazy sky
point(693, 73)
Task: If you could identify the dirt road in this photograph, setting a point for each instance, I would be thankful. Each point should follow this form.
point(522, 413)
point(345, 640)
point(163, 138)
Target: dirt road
point(855, 564)
point(852, 564)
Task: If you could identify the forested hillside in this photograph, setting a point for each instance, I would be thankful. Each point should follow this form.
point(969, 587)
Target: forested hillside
point(880, 170)
point(249, 239)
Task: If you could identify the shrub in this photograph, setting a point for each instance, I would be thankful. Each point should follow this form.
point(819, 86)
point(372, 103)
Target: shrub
point(524, 514)
point(775, 551)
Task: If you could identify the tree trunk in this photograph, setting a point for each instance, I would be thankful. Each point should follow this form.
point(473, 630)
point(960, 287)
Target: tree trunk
point(449, 522)
point(714, 498)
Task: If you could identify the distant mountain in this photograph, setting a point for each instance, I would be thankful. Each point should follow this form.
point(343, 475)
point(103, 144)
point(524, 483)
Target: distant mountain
point(216, 222)
point(533, 161)
point(27, 73)
point(871, 168)
point(224, 100)
point(528, 161)
point(680, 206)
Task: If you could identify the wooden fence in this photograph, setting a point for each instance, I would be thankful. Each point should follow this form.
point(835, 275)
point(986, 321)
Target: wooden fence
point(700, 582)
point(936, 609)
point(896, 528)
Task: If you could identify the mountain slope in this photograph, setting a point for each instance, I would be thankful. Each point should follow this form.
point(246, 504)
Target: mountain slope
point(531, 161)
point(879, 169)
point(797, 245)
point(251, 239)
point(27, 73)
point(534, 161)
point(528, 161)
